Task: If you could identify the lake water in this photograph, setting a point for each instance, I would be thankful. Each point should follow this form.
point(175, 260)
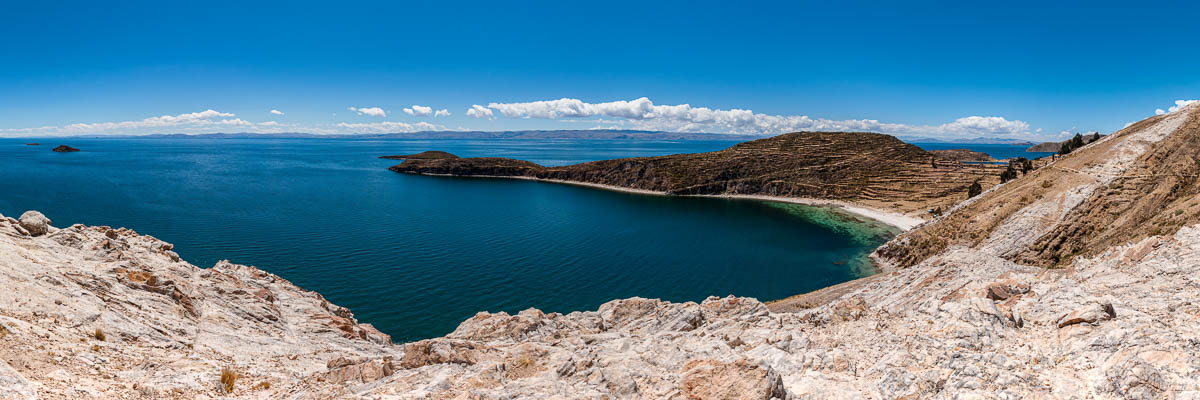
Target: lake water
point(997, 151)
point(416, 255)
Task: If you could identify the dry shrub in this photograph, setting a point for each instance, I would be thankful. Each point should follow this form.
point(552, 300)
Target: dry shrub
point(228, 377)
point(99, 335)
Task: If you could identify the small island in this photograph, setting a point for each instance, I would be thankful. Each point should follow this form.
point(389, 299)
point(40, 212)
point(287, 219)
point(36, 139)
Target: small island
point(424, 155)
point(64, 149)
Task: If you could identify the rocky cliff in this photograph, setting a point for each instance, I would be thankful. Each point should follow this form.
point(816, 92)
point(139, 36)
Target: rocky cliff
point(1074, 281)
point(869, 169)
point(96, 312)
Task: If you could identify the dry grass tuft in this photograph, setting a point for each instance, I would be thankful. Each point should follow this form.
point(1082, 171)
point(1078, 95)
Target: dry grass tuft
point(228, 377)
point(262, 386)
point(3, 331)
point(99, 335)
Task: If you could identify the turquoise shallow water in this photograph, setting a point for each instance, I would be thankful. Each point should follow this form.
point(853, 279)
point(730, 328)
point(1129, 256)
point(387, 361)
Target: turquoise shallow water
point(416, 255)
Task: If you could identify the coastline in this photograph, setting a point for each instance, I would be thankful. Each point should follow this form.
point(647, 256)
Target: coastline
point(897, 220)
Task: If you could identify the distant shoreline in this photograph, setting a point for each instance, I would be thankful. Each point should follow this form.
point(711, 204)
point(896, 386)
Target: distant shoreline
point(899, 221)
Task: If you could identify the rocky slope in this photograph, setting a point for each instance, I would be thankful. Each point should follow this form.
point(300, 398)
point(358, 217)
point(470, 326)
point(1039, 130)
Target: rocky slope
point(974, 304)
point(96, 312)
point(869, 169)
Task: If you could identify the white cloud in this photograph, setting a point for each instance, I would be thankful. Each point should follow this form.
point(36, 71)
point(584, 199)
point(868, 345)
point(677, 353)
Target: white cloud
point(442, 113)
point(420, 111)
point(203, 120)
point(644, 114)
point(372, 111)
point(276, 112)
point(268, 123)
point(389, 127)
point(478, 111)
point(1179, 105)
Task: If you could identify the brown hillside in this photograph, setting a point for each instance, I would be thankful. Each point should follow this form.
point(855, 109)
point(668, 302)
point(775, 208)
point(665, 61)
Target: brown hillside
point(1137, 182)
point(866, 168)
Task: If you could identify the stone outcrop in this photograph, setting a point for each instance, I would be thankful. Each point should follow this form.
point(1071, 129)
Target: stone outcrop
point(34, 223)
point(96, 312)
point(64, 149)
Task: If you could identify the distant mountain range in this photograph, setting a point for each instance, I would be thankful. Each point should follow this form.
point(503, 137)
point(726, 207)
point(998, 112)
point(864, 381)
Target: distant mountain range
point(978, 140)
point(540, 134)
point(529, 134)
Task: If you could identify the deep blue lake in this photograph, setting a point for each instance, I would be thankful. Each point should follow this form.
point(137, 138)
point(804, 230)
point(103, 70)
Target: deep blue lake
point(416, 255)
point(997, 151)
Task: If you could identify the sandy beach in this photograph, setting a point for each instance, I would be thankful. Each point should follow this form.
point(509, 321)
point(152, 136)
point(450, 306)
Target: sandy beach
point(903, 222)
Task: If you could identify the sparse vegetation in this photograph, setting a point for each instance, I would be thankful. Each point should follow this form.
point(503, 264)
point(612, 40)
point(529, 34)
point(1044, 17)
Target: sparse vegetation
point(974, 190)
point(525, 361)
point(1070, 145)
point(99, 335)
point(3, 331)
point(1046, 184)
point(262, 386)
point(1008, 174)
point(228, 378)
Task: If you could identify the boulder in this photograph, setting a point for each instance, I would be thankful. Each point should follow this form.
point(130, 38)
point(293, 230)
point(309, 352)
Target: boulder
point(1091, 313)
point(711, 379)
point(439, 351)
point(35, 223)
point(1004, 290)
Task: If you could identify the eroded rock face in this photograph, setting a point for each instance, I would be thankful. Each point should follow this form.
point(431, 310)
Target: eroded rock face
point(108, 313)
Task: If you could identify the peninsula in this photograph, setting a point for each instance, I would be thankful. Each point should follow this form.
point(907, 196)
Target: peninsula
point(868, 173)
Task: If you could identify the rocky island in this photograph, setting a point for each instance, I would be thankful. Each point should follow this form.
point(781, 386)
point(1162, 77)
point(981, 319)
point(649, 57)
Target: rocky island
point(1075, 280)
point(64, 149)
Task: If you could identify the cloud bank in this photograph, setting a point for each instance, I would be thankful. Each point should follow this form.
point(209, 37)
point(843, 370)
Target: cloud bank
point(1179, 105)
point(388, 127)
point(206, 120)
point(276, 112)
point(642, 113)
point(372, 111)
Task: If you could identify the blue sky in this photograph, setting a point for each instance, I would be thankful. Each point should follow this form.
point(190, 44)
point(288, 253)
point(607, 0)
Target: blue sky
point(934, 68)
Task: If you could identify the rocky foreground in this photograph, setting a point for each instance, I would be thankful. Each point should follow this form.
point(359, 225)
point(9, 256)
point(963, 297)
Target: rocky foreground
point(994, 299)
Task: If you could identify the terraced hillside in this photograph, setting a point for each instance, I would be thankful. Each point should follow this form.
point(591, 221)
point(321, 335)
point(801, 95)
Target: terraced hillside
point(1138, 182)
point(870, 169)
